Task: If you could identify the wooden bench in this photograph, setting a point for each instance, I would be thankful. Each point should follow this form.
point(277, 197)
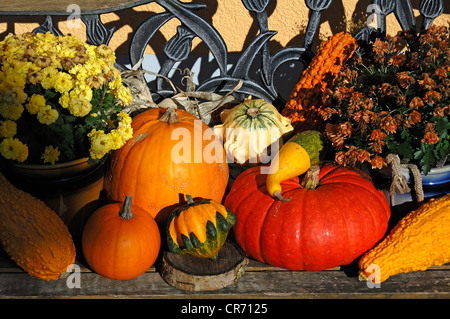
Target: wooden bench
point(259, 280)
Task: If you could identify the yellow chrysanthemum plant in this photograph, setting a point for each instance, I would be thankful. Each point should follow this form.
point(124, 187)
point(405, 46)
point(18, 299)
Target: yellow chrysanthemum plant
point(60, 99)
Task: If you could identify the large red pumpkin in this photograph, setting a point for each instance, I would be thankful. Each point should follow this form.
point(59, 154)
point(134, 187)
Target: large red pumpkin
point(172, 153)
point(319, 228)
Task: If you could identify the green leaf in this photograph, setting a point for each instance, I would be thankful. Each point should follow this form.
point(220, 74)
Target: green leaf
point(69, 118)
point(443, 149)
point(404, 134)
point(442, 126)
point(428, 160)
point(418, 154)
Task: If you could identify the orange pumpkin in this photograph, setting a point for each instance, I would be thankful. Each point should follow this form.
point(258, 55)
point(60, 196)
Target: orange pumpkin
point(171, 153)
point(120, 241)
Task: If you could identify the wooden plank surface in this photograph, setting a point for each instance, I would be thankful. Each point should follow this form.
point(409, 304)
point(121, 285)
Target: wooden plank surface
point(259, 281)
point(299, 284)
point(41, 7)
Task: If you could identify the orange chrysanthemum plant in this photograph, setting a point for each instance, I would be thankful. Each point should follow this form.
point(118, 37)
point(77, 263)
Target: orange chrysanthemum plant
point(393, 100)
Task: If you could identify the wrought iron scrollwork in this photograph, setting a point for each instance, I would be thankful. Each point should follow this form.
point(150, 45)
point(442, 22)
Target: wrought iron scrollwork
point(194, 25)
point(48, 26)
point(259, 8)
point(384, 8)
point(144, 33)
point(405, 15)
point(209, 35)
point(96, 32)
point(178, 48)
point(316, 7)
point(430, 9)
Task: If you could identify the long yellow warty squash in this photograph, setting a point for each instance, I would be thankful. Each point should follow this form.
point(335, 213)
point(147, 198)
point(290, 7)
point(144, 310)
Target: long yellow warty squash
point(33, 235)
point(305, 102)
point(420, 240)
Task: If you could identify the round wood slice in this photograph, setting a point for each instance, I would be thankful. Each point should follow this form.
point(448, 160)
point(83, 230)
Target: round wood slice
point(192, 273)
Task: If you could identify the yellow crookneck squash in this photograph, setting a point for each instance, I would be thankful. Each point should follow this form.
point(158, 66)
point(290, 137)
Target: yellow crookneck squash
point(420, 240)
point(301, 153)
point(33, 235)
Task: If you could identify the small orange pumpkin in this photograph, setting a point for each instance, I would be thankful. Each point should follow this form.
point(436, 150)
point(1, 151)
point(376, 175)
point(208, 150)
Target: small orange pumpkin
point(121, 242)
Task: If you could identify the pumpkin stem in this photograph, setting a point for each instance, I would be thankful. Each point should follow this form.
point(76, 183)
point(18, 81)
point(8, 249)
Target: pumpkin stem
point(169, 116)
point(189, 199)
point(253, 112)
point(278, 195)
point(125, 212)
point(311, 179)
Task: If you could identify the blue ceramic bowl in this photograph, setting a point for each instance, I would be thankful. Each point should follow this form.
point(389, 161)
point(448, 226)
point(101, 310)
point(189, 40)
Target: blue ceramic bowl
point(437, 176)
